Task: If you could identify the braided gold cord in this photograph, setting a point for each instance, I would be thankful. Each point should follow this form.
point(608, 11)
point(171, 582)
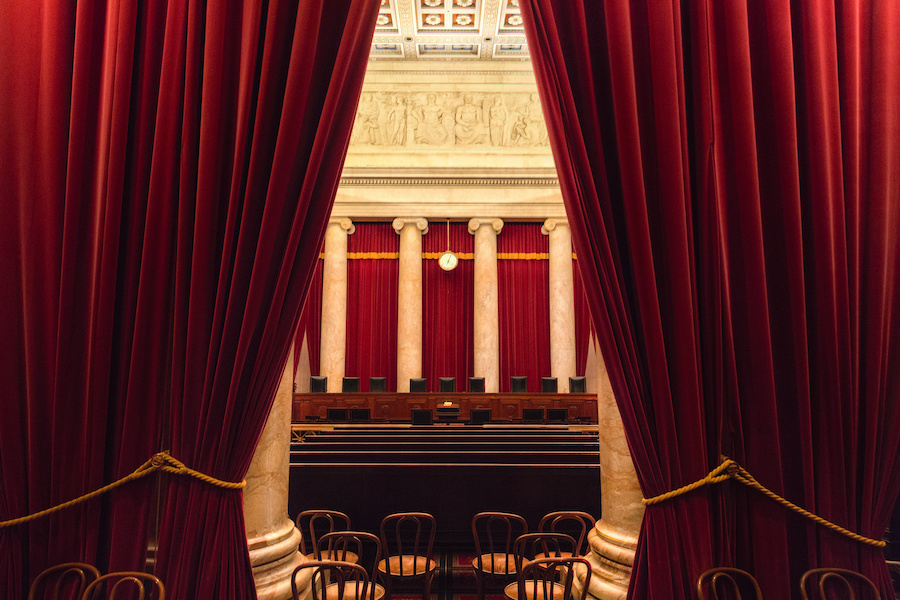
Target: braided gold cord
point(161, 461)
point(729, 469)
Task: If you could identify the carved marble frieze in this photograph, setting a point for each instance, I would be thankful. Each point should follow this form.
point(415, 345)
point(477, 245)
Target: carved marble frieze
point(447, 120)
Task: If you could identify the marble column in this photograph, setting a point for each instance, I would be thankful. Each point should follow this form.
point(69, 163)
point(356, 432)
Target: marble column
point(487, 303)
point(272, 537)
point(613, 540)
point(562, 302)
point(409, 305)
point(334, 302)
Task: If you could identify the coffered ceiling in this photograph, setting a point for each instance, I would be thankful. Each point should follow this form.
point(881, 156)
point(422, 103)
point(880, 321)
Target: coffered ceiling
point(457, 30)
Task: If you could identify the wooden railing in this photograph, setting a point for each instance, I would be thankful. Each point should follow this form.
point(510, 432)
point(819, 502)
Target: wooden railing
point(397, 407)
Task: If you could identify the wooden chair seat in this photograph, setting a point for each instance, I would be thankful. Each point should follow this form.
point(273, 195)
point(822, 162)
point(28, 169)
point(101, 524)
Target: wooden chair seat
point(555, 592)
point(497, 563)
point(407, 566)
point(352, 593)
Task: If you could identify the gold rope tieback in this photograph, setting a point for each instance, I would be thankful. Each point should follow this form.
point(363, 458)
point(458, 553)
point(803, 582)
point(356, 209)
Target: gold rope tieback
point(161, 461)
point(729, 469)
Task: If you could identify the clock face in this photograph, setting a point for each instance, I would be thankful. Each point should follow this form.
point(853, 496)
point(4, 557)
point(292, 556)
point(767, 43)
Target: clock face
point(447, 261)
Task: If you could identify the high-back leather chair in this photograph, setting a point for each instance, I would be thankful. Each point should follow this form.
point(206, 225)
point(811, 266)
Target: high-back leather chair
point(833, 583)
point(494, 534)
point(407, 540)
point(63, 581)
point(125, 585)
point(721, 583)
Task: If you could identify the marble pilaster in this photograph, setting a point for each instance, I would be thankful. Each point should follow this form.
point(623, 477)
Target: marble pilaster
point(613, 540)
point(272, 537)
point(562, 302)
point(409, 306)
point(487, 302)
point(334, 302)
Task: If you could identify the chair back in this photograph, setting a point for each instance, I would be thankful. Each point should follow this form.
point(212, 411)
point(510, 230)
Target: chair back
point(573, 522)
point(125, 585)
point(358, 547)
point(838, 583)
point(554, 577)
point(530, 546)
point(315, 523)
point(494, 534)
point(409, 536)
point(721, 583)
point(63, 581)
point(349, 579)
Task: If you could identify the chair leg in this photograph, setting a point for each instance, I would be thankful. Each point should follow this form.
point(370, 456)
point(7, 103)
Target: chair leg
point(479, 585)
point(427, 593)
point(386, 582)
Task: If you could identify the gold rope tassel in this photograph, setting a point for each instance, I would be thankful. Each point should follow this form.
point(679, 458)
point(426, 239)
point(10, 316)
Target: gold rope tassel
point(161, 461)
point(729, 469)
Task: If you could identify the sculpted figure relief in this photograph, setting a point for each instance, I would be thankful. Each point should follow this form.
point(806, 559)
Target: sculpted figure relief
point(366, 127)
point(430, 128)
point(469, 127)
point(449, 118)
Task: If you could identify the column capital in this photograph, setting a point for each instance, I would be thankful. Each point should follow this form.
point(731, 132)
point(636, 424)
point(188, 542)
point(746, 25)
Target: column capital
point(400, 222)
point(552, 223)
point(476, 223)
point(344, 223)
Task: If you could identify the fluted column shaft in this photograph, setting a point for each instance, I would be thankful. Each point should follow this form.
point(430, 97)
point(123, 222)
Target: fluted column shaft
point(334, 303)
point(562, 302)
point(409, 305)
point(487, 304)
point(271, 536)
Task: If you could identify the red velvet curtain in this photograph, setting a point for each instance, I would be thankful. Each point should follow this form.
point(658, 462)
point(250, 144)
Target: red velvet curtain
point(583, 326)
point(372, 268)
point(524, 303)
point(310, 326)
point(448, 306)
point(730, 171)
point(168, 169)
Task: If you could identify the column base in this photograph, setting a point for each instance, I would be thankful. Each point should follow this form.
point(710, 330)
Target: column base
point(274, 557)
point(611, 558)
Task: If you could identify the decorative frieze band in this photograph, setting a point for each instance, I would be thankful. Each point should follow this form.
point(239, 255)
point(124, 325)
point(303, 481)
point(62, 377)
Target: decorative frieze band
point(551, 182)
point(449, 119)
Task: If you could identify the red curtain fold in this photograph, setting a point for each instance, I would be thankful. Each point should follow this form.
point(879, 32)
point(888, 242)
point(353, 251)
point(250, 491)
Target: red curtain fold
point(372, 270)
point(730, 174)
point(524, 304)
point(448, 307)
point(168, 170)
point(310, 326)
point(583, 326)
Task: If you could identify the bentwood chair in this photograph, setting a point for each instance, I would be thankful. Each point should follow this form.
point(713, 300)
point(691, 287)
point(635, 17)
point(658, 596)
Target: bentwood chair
point(551, 579)
point(330, 580)
point(494, 534)
point(316, 523)
point(357, 547)
point(529, 547)
point(126, 585)
point(407, 540)
point(63, 581)
point(727, 583)
point(573, 522)
point(833, 583)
